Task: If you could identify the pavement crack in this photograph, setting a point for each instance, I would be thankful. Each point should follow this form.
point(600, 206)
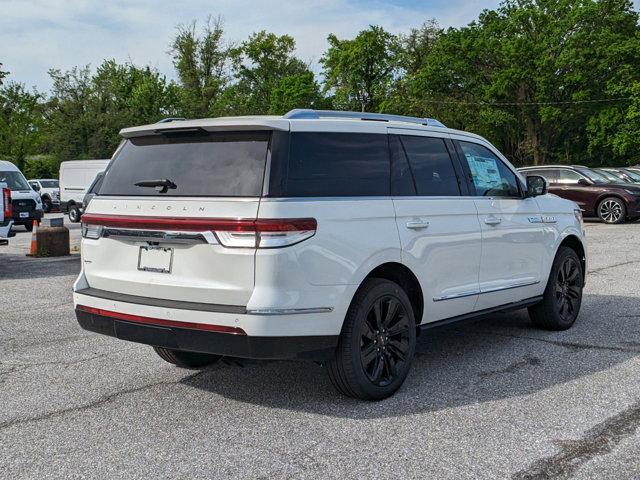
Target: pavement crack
point(570, 345)
point(93, 404)
point(598, 440)
point(602, 269)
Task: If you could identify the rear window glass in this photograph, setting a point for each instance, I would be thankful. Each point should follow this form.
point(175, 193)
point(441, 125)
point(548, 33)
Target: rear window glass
point(229, 164)
point(49, 183)
point(431, 165)
point(338, 164)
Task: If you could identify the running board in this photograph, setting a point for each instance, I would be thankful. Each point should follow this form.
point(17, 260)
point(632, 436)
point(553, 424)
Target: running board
point(473, 316)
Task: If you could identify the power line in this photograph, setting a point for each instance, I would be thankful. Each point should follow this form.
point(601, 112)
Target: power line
point(503, 104)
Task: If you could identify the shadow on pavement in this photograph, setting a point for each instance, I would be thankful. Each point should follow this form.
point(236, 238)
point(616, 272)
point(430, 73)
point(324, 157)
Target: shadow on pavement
point(19, 266)
point(498, 357)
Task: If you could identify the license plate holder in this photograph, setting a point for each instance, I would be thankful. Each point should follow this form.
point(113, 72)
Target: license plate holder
point(155, 259)
point(24, 214)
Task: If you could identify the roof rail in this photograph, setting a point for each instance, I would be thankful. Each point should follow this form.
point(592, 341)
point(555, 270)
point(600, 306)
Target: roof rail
point(303, 113)
point(171, 119)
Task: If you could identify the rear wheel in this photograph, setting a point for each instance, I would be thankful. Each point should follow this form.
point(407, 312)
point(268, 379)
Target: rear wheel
point(74, 214)
point(612, 210)
point(377, 343)
point(563, 295)
point(28, 226)
point(47, 206)
point(186, 359)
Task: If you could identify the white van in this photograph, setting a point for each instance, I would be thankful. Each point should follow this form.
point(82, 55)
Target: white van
point(75, 178)
point(26, 204)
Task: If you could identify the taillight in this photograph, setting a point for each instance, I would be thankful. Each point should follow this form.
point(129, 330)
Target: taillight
point(267, 233)
point(238, 233)
point(6, 197)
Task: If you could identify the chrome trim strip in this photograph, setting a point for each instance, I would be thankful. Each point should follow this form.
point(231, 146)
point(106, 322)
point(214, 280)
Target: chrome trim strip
point(456, 295)
point(480, 292)
point(288, 311)
point(160, 236)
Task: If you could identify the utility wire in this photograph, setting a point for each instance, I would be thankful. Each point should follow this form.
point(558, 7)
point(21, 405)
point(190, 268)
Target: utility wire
point(501, 104)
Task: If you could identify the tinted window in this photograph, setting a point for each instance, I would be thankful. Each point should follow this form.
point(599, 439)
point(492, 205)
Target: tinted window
point(201, 164)
point(490, 176)
point(568, 176)
point(431, 166)
point(338, 164)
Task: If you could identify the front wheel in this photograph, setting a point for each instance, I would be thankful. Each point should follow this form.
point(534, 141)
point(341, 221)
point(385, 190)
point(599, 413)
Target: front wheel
point(612, 210)
point(74, 214)
point(563, 296)
point(377, 343)
point(47, 206)
point(186, 359)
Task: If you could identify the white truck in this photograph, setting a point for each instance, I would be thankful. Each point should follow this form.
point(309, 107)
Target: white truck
point(6, 220)
point(75, 178)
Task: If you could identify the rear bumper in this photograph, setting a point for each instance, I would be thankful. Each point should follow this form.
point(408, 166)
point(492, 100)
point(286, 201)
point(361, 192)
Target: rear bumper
point(33, 215)
point(315, 348)
point(5, 229)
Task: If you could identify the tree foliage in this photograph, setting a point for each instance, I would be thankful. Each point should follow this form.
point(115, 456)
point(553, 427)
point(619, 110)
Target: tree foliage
point(545, 80)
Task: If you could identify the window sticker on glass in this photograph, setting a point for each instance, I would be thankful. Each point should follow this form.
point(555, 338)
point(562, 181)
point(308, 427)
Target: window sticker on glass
point(484, 171)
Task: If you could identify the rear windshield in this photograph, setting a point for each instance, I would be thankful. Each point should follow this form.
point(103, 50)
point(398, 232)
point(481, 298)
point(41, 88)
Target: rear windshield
point(221, 164)
point(14, 180)
point(49, 183)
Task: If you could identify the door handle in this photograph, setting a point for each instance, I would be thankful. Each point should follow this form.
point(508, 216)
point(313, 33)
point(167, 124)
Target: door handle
point(417, 224)
point(492, 220)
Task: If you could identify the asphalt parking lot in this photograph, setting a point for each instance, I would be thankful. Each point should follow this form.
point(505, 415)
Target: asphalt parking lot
point(494, 399)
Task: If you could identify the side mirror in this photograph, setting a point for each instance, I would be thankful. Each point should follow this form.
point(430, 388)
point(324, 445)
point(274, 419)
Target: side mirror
point(584, 182)
point(536, 185)
point(35, 186)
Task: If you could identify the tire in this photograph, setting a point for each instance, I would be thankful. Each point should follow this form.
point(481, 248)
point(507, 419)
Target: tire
point(612, 210)
point(563, 296)
point(360, 367)
point(74, 214)
point(28, 226)
point(47, 206)
point(186, 359)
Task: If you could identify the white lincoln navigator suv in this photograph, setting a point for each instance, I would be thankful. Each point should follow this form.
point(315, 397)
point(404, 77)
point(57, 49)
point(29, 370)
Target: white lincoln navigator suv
point(328, 236)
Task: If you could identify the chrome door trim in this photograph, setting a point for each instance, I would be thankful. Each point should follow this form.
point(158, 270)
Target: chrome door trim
point(489, 290)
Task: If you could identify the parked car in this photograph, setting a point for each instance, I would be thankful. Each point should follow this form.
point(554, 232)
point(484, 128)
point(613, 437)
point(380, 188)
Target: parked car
point(76, 176)
point(592, 191)
point(326, 236)
point(612, 176)
point(26, 205)
point(49, 190)
point(6, 216)
point(629, 176)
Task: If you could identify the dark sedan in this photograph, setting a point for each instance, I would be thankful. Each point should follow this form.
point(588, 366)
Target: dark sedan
point(595, 194)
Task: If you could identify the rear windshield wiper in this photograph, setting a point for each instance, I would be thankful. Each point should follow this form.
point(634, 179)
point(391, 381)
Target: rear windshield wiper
point(161, 185)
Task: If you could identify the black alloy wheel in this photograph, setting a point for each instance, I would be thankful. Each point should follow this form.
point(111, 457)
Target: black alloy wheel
point(377, 343)
point(384, 340)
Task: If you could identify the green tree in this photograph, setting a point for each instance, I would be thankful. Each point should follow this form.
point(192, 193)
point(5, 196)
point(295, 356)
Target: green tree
point(265, 65)
point(360, 72)
point(202, 63)
point(21, 121)
point(2, 75)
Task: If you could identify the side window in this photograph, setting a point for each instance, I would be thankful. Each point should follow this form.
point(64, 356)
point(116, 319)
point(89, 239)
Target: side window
point(490, 176)
point(338, 165)
point(551, 176)
point(431, 166)
point(568, 177)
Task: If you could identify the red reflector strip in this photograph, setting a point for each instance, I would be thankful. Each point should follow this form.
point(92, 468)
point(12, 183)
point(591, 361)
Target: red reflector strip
point(161, 322)
point(201, 224)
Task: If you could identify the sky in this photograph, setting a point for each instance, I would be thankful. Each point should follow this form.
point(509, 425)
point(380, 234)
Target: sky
point(36, 35)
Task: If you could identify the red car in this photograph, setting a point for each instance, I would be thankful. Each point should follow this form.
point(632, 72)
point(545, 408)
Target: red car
point(596, 195)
